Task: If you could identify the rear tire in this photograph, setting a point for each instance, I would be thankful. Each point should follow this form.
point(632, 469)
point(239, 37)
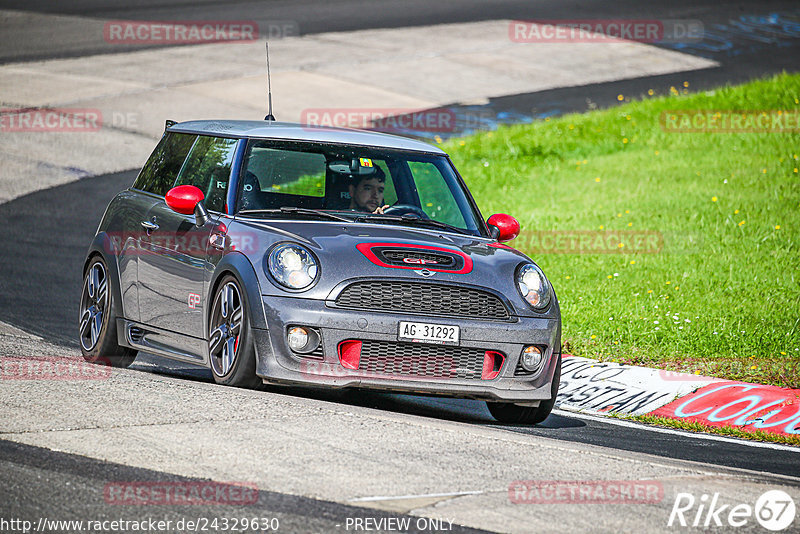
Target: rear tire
point(513, 414)
point(230, 344)
point(97, 322)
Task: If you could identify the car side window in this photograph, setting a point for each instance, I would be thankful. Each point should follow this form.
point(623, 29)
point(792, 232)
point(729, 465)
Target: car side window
point(208, 167)
point(160, 171)
point(435, 197)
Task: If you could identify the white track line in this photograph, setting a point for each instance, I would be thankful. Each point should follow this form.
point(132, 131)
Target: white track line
point(383, 498)
point(683, 433)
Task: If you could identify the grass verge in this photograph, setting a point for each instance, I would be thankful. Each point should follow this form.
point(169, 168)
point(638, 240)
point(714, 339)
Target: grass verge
point(720, 294)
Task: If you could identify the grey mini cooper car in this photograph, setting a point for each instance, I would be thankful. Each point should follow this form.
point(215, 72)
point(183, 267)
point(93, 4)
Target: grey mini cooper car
point(286, 254)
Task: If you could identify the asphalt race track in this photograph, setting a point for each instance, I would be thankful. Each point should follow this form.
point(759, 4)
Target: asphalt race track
point(46, 234)
point(742, 54)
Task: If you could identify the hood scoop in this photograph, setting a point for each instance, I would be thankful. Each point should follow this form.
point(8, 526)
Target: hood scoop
point(410, 256)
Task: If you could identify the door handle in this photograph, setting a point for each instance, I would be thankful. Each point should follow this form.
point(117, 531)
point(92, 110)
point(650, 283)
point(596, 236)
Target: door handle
point(149, 226)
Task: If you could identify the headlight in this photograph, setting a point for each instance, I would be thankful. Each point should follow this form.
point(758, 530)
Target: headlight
point(533, 286)
point(292, 266)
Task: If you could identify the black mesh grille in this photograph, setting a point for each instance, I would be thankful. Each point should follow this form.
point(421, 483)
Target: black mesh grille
point(420, 360)
point(425, 299)
point(316, 353)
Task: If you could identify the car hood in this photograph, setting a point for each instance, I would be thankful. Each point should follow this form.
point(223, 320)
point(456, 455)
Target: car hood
point(348, 251)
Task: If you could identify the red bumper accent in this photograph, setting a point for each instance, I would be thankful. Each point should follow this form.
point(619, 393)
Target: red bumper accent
point(350, 354)
point(492, 363)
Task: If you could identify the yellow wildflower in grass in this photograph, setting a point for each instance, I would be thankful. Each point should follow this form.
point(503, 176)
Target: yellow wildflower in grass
point(462, 143)
point(735, 212)
point(741, 223)
point(783, 353)
point(627, 211)
point(620, 98)
point(621, 245)
point(601, 227)
point(657, 152)
point(627, 117)
point(593, 336)
point(649, 290)
point(686, 84)
point(624, 140)
point(610, 276)
point(633, 262)
point(571, 126)
point(630, 224)
point(650, 92)
point(697, 372)
point(713, 199)
point(597, 179)
point(763, 171)
point(777, 226)
point(619, 215)
point(795, 170)
point(568, 277)
point(438, 139)
point(753, 367)
point(677, 288)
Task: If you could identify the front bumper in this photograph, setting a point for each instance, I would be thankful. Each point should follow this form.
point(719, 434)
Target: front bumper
point(277, 363)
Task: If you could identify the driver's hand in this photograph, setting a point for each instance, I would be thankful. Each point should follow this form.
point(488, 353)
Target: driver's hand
point(380, 209)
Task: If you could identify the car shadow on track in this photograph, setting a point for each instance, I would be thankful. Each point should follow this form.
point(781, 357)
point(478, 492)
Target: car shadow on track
point(449, 409)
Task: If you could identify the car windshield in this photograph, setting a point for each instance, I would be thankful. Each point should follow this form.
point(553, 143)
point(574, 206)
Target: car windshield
point(359, 183)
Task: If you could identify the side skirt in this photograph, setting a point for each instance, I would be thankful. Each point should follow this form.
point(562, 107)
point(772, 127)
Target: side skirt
point(162, 342)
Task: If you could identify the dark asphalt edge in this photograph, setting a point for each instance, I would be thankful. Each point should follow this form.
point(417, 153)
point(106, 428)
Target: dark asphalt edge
point(104, 471)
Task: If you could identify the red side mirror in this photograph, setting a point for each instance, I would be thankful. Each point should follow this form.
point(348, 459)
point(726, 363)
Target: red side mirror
point(184, 199)
point(506, 225)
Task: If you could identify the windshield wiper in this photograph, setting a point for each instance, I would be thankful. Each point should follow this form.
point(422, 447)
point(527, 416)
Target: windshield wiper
point(290, 210)
point(412, 221)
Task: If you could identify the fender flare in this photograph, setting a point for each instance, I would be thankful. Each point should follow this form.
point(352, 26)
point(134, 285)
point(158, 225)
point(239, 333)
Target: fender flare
point(103, 246)
point(238, 265)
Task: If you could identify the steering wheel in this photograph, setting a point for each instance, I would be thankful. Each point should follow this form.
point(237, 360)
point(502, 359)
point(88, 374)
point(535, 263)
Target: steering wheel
point(405, 209)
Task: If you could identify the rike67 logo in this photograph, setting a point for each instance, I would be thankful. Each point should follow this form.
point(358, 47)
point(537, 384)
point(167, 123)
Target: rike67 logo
point(774, 510)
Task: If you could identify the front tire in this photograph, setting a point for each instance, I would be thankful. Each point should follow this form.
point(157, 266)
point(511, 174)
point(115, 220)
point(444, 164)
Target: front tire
point(230, 343)
point(97, 328)
point(524, 415)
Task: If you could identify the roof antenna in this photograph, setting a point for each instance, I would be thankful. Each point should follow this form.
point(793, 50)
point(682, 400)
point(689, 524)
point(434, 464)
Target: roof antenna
point(270, 116)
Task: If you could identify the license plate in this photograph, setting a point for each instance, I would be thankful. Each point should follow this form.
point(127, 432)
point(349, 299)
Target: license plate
point(440, 334)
